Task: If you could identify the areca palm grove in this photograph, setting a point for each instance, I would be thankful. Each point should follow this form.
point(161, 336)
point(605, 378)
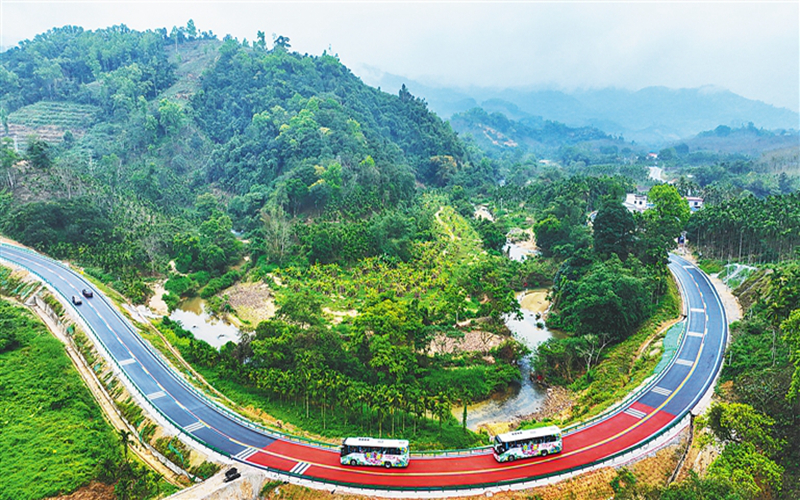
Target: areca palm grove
point(748, 229)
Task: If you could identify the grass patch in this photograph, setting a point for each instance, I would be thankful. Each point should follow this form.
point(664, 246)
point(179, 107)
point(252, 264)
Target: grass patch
point(710, 266)
point(52, 433)
point(269, 487)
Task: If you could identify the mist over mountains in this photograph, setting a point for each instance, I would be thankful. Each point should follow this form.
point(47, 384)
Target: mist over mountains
point(652, 116)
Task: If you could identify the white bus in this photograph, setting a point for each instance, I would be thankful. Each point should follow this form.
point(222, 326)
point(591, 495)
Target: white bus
point(542, 441)
point(379, 452)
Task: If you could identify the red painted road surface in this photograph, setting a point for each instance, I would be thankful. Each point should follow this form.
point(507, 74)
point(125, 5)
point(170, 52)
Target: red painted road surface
point(670, 396)
point(585, 446)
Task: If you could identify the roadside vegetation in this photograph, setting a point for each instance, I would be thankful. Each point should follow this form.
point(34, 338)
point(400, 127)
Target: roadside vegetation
point(53, 435)
point(201, 162)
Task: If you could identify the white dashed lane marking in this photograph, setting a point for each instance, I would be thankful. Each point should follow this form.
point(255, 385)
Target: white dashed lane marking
point(194, 427)
point(661, 390)
point(633, 412)
point(300, 468)
point(246, 453)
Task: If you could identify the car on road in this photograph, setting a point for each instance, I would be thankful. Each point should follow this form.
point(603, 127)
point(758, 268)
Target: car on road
point(87, 293)
point(76, 300)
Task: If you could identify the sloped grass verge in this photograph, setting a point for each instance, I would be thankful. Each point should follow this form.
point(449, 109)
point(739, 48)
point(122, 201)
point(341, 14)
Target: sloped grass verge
point(52, 433)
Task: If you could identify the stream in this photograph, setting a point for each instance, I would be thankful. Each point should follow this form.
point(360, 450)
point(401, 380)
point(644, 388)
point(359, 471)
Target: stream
point(527, 397)
point(522, 399)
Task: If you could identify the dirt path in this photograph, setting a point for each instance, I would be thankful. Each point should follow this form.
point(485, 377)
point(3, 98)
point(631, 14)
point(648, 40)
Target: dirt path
point(438, 217)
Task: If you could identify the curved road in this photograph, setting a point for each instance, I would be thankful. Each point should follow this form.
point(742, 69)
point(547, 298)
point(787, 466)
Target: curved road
point(663, 403)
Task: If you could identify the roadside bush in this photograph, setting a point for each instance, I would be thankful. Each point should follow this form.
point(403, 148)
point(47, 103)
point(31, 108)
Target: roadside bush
point(205, 470)
point(171, 300)
point(8, 339)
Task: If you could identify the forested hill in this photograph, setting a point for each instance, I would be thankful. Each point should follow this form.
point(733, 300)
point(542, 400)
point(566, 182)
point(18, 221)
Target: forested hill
point(134, 140)
point(496, 134)
point(309, 119)
point(303, 125)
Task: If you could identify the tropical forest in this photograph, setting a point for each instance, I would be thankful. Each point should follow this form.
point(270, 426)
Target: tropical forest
point(361, 247)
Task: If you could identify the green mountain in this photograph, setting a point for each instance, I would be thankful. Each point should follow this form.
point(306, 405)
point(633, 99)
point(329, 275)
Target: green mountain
point(495, 133)
point(747, 140)
point(135, 130)
point(653, 116)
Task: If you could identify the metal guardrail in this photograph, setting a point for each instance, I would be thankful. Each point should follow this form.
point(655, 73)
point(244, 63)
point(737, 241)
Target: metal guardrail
point(618, 407)
point(495, 484)
point(631, 397)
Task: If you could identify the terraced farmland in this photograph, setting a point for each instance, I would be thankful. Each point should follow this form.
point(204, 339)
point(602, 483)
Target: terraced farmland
point(50, 120)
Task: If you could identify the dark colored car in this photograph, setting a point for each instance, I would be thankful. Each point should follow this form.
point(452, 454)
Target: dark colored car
point(87, 293)
point(76, 300)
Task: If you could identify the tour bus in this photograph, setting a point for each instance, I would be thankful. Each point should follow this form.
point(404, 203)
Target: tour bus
point(528, 443)
point(379, 452)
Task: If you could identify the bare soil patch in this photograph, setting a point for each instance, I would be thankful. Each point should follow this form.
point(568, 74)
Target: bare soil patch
point(253, 302)
point(94, 491)
point(535, 301)
point(472, 341)
point(156, 303)
point(338, 316)
point(481, 212)
point(558, 405)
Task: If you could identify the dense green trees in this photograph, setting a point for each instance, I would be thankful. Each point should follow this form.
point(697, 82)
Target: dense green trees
point(329, 139)
point(368, 372)
point(608, 283)
point(748, 229)
point(760, 427)
point(613, 230)
point(59, 65)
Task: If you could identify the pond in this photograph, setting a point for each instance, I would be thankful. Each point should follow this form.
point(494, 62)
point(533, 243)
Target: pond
point(204, 326)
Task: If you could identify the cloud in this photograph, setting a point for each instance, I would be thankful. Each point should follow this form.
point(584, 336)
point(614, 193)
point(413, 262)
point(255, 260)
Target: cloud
point(750, 48)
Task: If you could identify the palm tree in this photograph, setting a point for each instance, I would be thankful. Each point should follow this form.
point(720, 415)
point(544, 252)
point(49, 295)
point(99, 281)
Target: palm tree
point(125, 440)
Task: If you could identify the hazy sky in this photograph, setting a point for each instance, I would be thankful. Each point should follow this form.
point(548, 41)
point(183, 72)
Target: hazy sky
point(751, 48)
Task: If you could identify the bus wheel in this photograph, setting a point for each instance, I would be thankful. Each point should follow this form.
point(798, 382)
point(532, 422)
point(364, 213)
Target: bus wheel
point(387, 465)
point(511, 458)
point(544, 453)
point(353, 461)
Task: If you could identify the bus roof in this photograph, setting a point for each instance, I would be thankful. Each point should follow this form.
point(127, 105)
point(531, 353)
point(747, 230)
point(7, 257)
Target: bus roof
point(528, 434)
point(367, 441)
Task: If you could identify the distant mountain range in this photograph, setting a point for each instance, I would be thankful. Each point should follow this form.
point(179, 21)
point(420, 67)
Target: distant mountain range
point(652, 116)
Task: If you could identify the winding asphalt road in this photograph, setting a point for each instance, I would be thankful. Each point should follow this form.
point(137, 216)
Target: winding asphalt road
point(663, 403)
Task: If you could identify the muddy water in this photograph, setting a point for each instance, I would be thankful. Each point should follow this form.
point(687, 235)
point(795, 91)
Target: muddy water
point(527, 397)
point(192, 314)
